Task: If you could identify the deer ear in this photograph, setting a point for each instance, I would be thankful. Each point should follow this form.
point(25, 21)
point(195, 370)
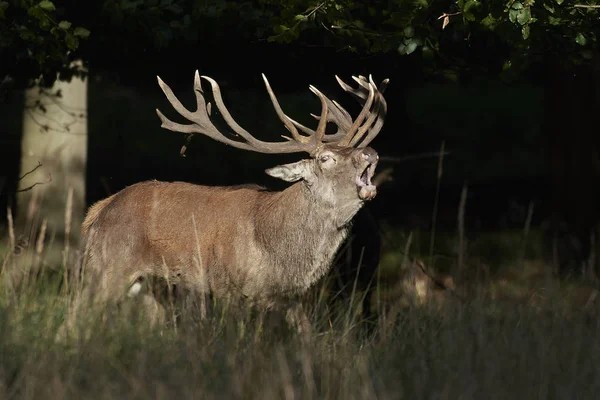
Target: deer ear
point(290, 172)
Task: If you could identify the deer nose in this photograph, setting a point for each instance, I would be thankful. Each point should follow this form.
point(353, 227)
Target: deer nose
point(370, 155)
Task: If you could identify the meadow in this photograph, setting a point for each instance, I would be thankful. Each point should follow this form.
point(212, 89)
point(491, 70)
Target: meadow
point(511, 331)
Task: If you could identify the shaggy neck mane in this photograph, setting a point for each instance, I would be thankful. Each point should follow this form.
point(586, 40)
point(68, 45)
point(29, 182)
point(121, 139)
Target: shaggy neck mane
point(300, 235)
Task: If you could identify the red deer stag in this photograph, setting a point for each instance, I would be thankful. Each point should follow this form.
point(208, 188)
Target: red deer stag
point(240, 242)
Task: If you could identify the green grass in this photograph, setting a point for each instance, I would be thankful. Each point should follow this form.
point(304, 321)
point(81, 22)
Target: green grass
point(517, 338)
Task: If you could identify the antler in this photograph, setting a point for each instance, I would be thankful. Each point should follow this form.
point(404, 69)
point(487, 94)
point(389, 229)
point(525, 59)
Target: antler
point(377, 115)
point(349, 132)
point(201, 123)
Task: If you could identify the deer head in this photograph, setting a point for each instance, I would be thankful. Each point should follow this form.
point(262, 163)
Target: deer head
point(340, 166)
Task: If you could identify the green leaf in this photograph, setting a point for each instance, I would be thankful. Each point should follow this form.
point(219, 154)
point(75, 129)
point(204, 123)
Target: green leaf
point(554, 21)
point(470, 4)
point(559, 2)
point(523, 16)
point(469, 16)
point(525, 32)
point(38, 13)
point(580, 39)
point(279, 29)
point(72, 41)
point(25, 33)
point(64, 25)
point(411, 46)
point(512, 15)
point(81, 32)
point(489, 22)
point(45, 24)
point(47, 5)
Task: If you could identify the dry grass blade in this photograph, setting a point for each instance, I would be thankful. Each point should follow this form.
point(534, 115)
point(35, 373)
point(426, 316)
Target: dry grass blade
point(11, 230)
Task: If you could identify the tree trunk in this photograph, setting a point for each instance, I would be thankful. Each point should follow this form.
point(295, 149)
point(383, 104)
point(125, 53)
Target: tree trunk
point(53, 160)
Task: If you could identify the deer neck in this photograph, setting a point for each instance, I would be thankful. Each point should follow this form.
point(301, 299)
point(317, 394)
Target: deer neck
point(298, 204)
point(301, 235)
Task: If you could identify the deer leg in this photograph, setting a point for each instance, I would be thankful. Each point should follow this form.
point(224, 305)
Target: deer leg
point(142, 291)
point(297, 318)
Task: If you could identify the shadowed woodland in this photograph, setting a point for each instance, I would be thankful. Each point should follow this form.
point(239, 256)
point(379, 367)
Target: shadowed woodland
point(474, 271)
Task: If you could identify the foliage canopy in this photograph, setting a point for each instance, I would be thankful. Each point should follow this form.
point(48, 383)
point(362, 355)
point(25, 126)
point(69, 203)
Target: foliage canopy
point(41, 38)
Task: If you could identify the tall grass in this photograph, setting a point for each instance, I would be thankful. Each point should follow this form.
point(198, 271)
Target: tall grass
point(534, 345)
point(455, 349)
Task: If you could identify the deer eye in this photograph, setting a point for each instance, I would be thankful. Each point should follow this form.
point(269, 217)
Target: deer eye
point(324, 158)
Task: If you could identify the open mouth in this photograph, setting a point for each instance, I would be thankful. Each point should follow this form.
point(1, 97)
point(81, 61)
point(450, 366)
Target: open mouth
point(366, 189)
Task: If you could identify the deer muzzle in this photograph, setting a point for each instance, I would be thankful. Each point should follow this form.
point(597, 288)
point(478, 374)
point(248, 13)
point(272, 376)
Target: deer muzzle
point(366, 189)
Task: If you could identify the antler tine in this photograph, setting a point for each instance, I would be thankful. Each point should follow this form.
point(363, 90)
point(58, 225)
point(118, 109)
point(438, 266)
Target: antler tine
point(379, 108)
point(359, 120)
point(383, 85)
point(362, 81)
point(173, 100)
point(216, 90)
point(349, 132)
point(358, 94)
point(336, 114)
point(373, 114)
point(361, 93)
point(201, 123)
point(381, 113)
point(320, 132)
point(284, 118)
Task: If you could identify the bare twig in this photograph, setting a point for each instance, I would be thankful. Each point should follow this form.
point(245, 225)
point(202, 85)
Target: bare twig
point(32, 171)
point(413, 157)
point(585, 6)
point(28, 188)
point(446, 17)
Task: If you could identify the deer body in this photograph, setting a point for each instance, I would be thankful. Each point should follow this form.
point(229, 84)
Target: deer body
point(242, 235)
point(240, 241)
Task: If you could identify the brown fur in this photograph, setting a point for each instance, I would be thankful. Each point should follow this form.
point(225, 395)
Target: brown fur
point(246, 242)
point(242, 242)
point(92, 214)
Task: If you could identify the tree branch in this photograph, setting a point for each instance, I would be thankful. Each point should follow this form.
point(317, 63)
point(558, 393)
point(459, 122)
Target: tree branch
point(32, 171)
point(413, 157)
point(28, 188)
